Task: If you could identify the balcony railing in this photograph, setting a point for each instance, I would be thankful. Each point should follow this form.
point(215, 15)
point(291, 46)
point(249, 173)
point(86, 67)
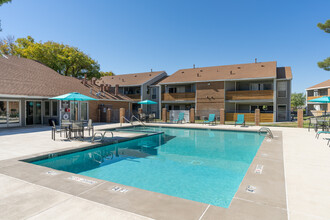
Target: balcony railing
point(134, 97)
point(313, 97)
point(249, 95)
point(186, 96)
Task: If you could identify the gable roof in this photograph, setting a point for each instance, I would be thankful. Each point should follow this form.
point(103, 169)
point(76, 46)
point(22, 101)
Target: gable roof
point(324, 84)
point(284, 73)
point(227, 72)
point(132, 79)
point(25, 77)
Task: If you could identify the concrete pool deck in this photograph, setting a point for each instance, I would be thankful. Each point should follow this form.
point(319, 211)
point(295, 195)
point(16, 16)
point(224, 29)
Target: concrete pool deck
point(306, 165)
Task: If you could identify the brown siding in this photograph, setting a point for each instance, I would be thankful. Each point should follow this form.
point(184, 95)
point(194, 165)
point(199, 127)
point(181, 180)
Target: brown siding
point(186, 96)
point(249, 95)
point(210, 96)
point(250, 117)
point(94, 107)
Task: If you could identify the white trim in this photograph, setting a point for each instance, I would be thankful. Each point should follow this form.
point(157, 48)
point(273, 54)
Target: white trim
point(250, 101)
point(24, 96)
point(326, 87)
point(217, 80)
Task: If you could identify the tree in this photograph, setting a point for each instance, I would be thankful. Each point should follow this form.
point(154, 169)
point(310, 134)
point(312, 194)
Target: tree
point(325, 64)
point(297, 100)
point(110, 73)
point(64, 59)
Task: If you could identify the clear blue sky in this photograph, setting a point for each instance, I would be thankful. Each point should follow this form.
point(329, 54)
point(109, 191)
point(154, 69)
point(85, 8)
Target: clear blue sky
point(137, 35)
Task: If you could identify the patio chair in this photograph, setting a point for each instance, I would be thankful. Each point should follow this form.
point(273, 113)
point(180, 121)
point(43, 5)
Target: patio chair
point(321, 132)
point(313, 123)
point(77, 129)
point(240, 120)
point(152, 117)
point(210, 120)
point(55, 130)
point(90, 127)
point(180, 118)
point(142, 117)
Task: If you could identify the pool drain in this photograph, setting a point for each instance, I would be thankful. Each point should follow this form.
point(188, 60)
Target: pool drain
point(196, 162)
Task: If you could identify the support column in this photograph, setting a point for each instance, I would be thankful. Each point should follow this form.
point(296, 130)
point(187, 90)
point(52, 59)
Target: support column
point(164, 115)
point(108, 115)
point(257, 117)
point(222, 116)
point(121, 115)
point(192, 115)
point(300, 115)
point(98, 115)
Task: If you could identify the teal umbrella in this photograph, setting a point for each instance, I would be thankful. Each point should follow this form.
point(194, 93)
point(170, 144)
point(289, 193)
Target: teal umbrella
point(73, 96)
point(323, 99)
point(147, 102)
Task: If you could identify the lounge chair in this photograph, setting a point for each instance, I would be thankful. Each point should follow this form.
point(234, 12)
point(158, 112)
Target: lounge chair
point(180, 118)
point(240, 120)
point(210, 120)
point(321, 132)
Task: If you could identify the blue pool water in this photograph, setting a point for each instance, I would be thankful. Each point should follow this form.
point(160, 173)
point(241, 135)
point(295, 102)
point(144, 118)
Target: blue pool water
point(201, 165)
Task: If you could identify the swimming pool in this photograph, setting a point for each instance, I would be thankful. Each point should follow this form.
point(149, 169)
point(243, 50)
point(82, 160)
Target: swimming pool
point(196, 164)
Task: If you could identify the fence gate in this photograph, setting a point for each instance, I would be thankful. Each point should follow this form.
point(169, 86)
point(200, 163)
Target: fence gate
point(174, 115)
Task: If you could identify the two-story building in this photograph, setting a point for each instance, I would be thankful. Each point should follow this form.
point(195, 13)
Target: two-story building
point(239, 88)
point(137, 86)
point(317, 91)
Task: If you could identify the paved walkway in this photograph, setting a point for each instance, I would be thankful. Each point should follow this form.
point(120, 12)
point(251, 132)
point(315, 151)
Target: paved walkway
point(306, 162)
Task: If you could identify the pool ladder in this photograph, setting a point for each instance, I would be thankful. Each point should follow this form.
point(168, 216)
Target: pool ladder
point(268, 131)
point(131, 121)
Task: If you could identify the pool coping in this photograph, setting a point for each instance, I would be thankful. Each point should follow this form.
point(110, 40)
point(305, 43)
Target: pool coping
point(267, 201)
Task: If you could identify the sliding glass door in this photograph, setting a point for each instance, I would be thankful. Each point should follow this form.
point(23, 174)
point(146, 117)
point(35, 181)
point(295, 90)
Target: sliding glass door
point(9, 113)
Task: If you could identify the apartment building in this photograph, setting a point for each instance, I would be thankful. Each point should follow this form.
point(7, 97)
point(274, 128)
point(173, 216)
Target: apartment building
point(239, 89)
point(317, 91)
point(26, 86)
point(138, 86)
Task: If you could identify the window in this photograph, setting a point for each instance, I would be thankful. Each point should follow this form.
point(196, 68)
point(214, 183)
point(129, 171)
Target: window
point(281, 89)
point(154, 93)
point(316, 93)
point(172, 90)
point(47, 108)
point(254, 86)
point(323, 92)
point(54, 108)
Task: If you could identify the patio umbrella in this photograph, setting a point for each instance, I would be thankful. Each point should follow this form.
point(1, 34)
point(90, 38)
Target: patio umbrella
point(73, 96)
point(147, 102)
point(323, 99)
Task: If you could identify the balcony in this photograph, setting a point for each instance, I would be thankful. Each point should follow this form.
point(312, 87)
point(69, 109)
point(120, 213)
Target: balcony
point(186, 96)
point(249, 94)
point(312, 97)
point(134, 97)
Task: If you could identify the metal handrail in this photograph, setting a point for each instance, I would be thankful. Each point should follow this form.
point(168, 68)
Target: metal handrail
point(133, 116)
point(125, 120)
point(269, 132)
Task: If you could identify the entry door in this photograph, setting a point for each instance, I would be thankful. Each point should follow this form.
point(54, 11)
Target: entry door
point(33, 112)
point(9, 113)
point(281, 113)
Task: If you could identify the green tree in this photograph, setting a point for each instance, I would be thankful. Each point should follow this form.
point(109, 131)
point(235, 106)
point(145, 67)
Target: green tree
point(297, 100)
point(110, 73)
point(325, 64)
point(64, 59)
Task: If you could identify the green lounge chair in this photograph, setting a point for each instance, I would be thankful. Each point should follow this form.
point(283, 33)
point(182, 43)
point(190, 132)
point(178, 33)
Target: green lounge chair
point(210, 120)
point(321, 132)
point(240, 120)
point(180, 118)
